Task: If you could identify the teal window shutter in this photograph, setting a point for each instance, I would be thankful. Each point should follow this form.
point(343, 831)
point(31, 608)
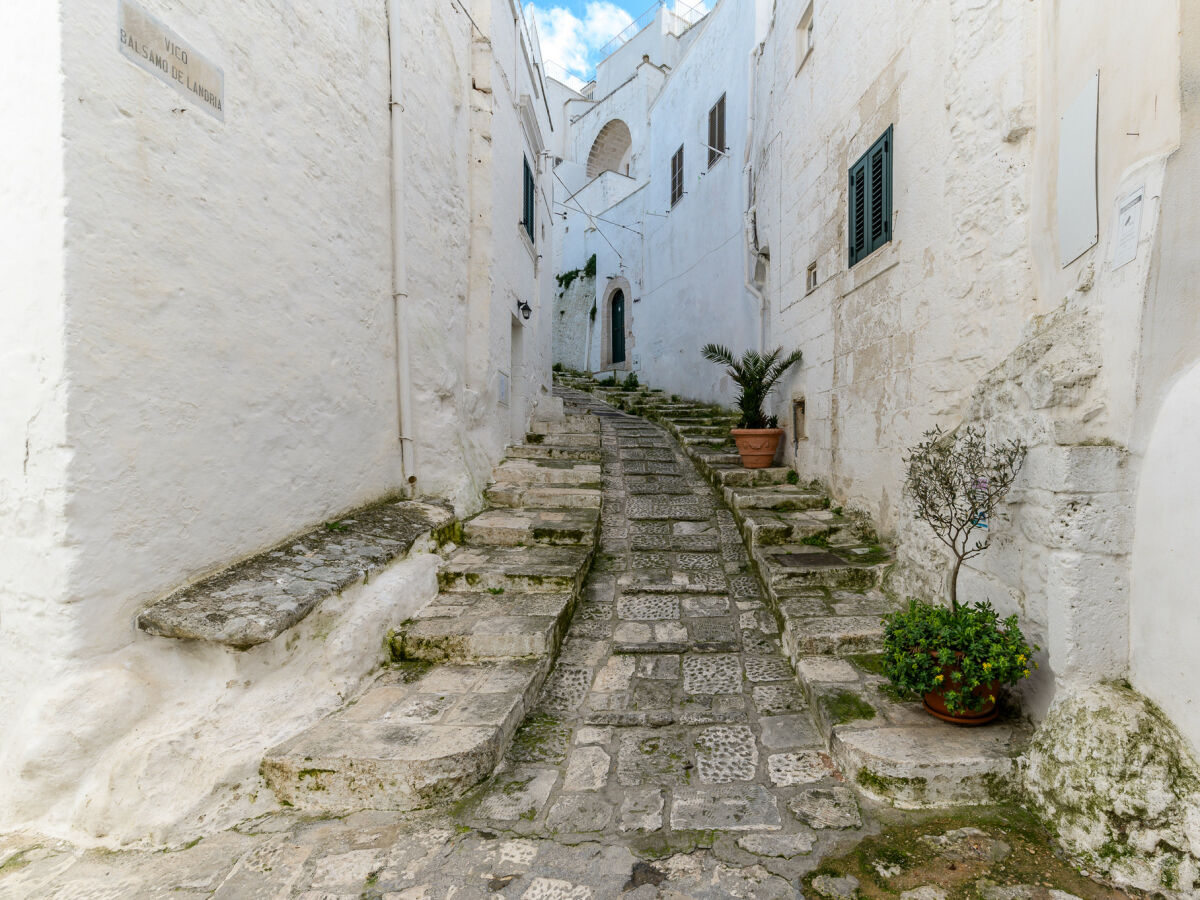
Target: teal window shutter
point(870, 199)
point(528, 210)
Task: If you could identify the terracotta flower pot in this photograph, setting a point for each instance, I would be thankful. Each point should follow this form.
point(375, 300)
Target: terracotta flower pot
point(935, 702)
point(757, 446)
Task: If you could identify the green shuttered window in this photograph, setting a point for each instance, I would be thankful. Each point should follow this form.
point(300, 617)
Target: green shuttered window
point(871, 199)
point(527, 213)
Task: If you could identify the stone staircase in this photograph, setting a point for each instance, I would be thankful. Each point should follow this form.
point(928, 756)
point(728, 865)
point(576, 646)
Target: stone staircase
point(823, 571)
point(471, 664)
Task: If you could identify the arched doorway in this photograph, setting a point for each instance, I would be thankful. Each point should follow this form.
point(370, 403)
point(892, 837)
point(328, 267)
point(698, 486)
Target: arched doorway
point(616, 331)
point(617, 328)
point(611, 151)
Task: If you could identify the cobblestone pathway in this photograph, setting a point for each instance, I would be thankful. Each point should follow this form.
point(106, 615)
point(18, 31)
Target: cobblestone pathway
point(671, 755)
point(672, 717)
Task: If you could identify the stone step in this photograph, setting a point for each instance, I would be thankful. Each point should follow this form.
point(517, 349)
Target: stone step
point(700, 440)
point(789, 569)
point(763, 527)
point(782, 497)
point(542, 496)
point(547, 471)
point(517, 527)
point(567, 425)
point(408, 742)
point(258, 599)
point(542, 451)
point(737, 476)
point(721, 431)
point(537, 569)
point(580, 441)
point(897, 753)
point(483, 625)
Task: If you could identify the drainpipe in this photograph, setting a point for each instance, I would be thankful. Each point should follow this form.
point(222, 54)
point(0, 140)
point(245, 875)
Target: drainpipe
point(750, 258)
point(400, 253)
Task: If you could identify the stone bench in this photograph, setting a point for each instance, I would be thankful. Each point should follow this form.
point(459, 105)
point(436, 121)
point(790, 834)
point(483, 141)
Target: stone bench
point(259, 598)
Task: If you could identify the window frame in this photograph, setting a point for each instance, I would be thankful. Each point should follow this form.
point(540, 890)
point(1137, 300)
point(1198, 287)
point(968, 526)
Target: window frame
point(677, 191)
point(805, 36)
point(870, 183)
point(529, 201)
point(717, 150)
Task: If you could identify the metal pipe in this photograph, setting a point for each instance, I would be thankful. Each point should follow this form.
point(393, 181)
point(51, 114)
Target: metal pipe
point(400, 252)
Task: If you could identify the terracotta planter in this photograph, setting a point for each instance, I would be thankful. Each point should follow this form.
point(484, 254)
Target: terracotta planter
point(757, 446)
point(935, 702)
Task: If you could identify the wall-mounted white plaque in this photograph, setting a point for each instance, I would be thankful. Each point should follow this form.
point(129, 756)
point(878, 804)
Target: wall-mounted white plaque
point(1128, 227)
point(153, 46)
point(1077, 228)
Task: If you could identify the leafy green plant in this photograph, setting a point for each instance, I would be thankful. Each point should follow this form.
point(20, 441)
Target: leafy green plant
point(630, 383)
point(793, 477)
point(956, 482)
point(755, 374)
point(960, 652)
point(589, 269)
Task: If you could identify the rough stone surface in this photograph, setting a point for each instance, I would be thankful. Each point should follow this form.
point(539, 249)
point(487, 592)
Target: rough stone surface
point(1115, 779)
point(833, 807)
point(258, 599)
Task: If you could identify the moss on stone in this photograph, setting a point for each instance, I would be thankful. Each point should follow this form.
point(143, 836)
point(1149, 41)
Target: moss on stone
point(847, 706)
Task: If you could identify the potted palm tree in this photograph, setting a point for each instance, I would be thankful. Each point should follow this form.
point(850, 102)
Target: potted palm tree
point(757, 435)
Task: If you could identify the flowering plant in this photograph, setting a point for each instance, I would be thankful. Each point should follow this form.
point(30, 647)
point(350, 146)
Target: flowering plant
point(962, 655)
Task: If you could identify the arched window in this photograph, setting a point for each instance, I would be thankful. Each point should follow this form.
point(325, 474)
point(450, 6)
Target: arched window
point(611, 151)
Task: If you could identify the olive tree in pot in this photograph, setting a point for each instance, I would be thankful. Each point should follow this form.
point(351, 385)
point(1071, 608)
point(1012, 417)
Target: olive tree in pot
point(957, 657)
point(757, 435)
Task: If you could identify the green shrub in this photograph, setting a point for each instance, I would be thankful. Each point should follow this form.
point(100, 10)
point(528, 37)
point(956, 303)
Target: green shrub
point(793, 477)
point(630, 383)
point(918, 642)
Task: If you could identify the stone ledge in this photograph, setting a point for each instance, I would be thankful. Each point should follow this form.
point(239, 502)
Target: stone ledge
point(256, 600)
point(408, 742)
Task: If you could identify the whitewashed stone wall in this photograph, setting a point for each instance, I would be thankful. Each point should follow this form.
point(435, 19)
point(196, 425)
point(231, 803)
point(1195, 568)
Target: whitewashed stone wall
point(206, 361)
point(685, 267)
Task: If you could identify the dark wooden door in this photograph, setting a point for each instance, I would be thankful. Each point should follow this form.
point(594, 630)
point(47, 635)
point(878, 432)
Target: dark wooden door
point(618, 327)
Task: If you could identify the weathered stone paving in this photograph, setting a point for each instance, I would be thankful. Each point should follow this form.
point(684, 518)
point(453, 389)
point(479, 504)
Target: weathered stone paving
point(672, 711)
point(672, 751)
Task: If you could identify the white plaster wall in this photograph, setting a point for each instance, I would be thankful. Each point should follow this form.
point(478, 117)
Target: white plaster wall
point(224, 317)
point(1163, 603)
point(694, 275)
point(34, 560)
point(467, 260)
point(895, 344)
point(229, 326)
point(1166, 568)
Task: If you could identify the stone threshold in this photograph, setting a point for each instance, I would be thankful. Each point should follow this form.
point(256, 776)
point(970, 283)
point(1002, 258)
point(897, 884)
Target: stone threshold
point(256, 600)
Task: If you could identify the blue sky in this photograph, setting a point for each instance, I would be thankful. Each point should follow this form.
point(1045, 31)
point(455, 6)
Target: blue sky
point(573, 32)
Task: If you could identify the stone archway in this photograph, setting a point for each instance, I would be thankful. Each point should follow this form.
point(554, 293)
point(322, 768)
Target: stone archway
point(612, 150)
point(616, 326)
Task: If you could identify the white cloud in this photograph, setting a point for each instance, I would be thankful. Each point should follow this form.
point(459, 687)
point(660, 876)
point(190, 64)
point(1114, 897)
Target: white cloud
point(570, 45)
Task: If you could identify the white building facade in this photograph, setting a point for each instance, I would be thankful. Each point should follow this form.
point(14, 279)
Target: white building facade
point(237, 311)
point(1025, 174)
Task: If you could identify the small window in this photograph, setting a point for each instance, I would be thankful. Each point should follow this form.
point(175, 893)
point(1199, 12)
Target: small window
point(677, 176)
point(528, 208)
point(804, 37)
point(870, 219)
point(716, 132)
point(810, 280)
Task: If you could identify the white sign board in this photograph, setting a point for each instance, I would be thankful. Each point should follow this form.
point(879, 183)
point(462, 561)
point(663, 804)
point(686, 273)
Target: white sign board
point(1077, 227)
point(1128, 227)
point(153, 46)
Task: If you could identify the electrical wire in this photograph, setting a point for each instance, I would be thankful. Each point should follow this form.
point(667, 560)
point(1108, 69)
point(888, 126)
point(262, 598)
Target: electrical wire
point(591, 219)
